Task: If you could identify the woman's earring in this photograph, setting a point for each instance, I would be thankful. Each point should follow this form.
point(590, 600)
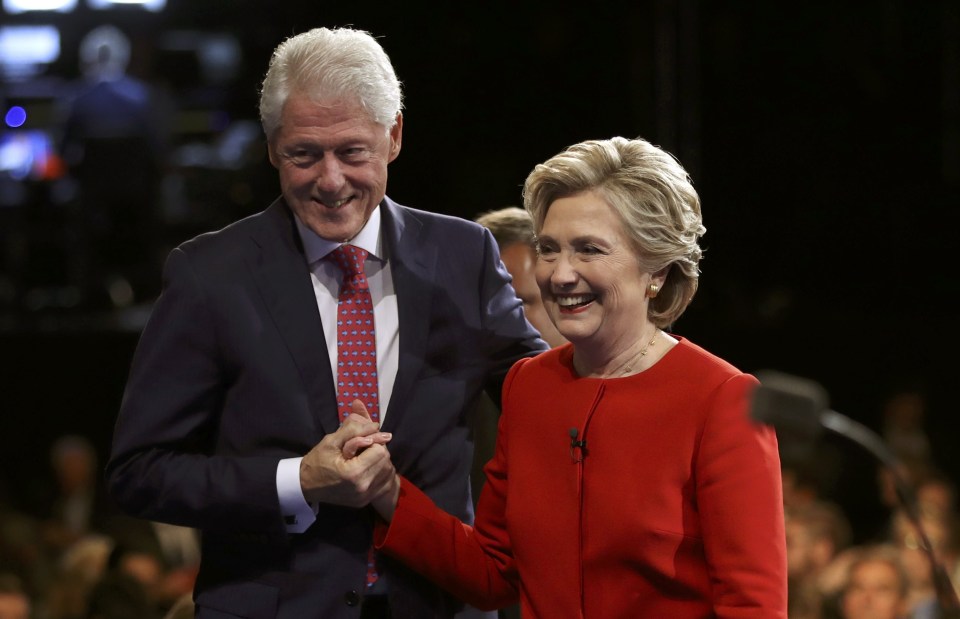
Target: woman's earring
point(654, 289)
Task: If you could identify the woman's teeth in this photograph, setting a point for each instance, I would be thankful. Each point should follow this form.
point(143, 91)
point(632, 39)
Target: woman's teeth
point(574, 301)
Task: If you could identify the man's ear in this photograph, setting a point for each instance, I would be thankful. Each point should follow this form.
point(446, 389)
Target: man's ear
point(271, 155)
point(396, 137)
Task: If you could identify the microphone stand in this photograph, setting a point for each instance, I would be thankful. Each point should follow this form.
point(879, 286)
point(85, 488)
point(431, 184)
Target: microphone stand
point(947, 600)
point(799, 406)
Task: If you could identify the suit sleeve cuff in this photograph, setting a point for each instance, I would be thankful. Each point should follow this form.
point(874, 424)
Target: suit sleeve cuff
point(298, 515)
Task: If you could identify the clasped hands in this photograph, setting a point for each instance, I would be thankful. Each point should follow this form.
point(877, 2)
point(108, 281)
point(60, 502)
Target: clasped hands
point(352, 467)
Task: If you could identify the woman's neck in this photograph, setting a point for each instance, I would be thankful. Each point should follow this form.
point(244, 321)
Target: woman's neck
point(631, 359)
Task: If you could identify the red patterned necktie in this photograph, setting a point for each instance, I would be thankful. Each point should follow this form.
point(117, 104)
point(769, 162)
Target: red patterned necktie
point(356, 338)
point(356, 347)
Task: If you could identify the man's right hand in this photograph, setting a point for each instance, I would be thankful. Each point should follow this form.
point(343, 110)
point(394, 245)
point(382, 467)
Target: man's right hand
point(351, 474)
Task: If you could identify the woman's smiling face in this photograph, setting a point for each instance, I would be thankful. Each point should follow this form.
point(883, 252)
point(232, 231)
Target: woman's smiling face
point(589, 273)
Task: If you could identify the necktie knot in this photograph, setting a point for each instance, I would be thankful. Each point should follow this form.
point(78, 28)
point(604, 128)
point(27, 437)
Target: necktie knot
point(349, 259)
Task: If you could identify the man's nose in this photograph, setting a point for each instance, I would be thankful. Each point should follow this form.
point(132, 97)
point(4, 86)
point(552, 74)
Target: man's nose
point(329, 173)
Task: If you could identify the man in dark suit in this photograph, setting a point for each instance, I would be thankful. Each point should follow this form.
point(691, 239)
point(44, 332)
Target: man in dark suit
point(114, 142)
point(230, 421)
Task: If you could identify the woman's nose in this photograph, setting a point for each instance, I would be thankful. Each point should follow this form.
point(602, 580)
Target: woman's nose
point(563, 271)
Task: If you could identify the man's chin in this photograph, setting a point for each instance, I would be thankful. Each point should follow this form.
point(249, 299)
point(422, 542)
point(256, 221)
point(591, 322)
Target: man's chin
point(338, 224)
point(336, 228)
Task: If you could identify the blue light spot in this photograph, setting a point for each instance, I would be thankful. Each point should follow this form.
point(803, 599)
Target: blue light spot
point(16, 116)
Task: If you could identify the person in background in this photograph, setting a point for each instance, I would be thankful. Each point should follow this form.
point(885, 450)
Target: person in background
point(628, 479)
point(119, 596)
point(816, 533)
point(936, 494)
point(79, 569)
point(937, 499)
point(921, 589)
point(22, 551)
point(115, 142)
point(876, 586)
point(231, 418)
point(143, 565)
point(14, 601)
point(78, 504)
point(177, 549)
point(903, 423)
point(512, 229)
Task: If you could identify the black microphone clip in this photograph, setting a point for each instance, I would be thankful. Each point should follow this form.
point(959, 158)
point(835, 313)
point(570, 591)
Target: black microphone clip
point(577, 444)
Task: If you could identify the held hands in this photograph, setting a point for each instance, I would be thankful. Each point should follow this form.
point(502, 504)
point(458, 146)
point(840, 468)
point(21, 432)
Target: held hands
point(350, 467)
point(386, 500)
point(357, 444)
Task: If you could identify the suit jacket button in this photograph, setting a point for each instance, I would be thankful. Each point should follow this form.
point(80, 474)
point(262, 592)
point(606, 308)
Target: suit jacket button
point(352, 598)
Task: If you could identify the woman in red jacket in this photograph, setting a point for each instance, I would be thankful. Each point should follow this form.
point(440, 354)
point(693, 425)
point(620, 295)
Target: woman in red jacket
point(628, 480)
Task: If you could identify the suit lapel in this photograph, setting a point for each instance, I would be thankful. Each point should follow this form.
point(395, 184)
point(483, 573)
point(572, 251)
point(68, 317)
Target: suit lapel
point(282, 275)
point(412, 265)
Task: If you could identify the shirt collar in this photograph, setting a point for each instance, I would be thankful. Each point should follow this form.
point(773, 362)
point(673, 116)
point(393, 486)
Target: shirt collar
point(316, 247)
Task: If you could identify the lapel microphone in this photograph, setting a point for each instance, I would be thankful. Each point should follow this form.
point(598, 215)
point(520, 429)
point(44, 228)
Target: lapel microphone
point(575, 444)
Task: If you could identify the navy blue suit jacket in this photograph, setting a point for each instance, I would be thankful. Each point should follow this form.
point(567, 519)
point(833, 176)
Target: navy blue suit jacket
point(231, 374)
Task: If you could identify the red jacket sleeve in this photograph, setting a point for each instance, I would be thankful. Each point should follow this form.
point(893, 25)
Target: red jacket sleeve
point(444, 549)
point(474, 564)
point(740, 500)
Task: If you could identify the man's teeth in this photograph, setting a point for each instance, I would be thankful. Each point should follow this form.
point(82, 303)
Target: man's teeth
point(338, 203)
point(571, 301)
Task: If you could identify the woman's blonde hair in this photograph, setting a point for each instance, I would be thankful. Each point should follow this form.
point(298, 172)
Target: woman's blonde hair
point(652, 194)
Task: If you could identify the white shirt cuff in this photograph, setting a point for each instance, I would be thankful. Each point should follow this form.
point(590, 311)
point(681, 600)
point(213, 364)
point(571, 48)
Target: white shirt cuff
point(297, 513)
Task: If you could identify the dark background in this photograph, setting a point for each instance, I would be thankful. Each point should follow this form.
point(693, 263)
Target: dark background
point(824, 139)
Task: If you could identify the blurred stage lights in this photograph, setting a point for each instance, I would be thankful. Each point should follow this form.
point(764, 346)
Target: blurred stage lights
point(66, 6)
point(15, 117)
point(23, 6)
point(150, 5)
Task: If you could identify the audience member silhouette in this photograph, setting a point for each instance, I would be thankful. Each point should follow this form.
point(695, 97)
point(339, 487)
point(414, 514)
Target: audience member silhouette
point(921, 597)
point(78, 505)
point(14, 601)
point(903, 424)
point(173, 552)
point(79, 569)
point(21, 551)
point(876, 586)
point(816, 533)
point(114, 146)
point(512, 229)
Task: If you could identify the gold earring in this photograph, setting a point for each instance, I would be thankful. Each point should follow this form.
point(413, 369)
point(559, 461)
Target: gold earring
point(654, 289)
